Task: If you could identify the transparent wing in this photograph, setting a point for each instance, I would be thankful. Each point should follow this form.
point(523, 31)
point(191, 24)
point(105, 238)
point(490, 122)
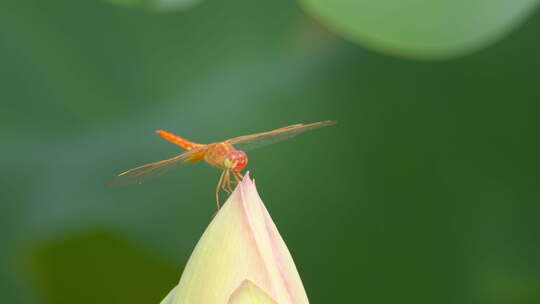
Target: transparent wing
point(253, 141)
point(149, 171)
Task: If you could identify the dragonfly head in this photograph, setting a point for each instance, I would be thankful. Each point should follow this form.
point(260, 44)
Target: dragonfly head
point(236, 160)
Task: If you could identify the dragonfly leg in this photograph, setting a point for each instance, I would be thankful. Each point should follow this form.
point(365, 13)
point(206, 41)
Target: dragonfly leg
point(218, 187)
point(238, 177)
point(225, 183)
point(236, 181)
point(228, 182)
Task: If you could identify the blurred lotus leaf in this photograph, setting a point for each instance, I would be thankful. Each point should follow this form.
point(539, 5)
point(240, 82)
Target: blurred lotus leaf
point(422, 29)
point(157, 5)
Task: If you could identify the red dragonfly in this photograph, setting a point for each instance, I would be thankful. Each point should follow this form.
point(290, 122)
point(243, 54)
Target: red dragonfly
point(227, 155)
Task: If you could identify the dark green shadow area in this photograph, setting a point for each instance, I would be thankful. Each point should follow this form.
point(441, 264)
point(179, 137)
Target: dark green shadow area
point(99, 267)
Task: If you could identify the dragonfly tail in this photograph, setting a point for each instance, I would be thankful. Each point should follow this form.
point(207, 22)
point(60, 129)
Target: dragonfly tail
point(177, 140)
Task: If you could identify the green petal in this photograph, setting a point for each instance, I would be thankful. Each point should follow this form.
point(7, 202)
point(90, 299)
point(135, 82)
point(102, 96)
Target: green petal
point(249, 293)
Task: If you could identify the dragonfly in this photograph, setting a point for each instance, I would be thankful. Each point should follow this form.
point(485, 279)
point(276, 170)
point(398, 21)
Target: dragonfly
point(228, 155)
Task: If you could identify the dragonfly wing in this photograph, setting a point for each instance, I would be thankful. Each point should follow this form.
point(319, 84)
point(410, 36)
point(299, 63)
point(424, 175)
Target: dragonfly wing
point(253, 141)
point(146, 172)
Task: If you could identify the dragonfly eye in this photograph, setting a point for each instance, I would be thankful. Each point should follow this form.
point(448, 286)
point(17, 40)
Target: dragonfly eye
point(236, 160)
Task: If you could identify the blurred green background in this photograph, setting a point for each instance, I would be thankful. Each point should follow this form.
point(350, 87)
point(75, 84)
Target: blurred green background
point(427, 190)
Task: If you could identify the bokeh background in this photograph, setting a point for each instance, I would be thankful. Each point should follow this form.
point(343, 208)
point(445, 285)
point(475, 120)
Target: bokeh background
point(426, 191)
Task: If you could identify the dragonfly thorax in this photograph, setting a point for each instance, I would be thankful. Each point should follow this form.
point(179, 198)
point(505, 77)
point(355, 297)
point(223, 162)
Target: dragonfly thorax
point(224, 156)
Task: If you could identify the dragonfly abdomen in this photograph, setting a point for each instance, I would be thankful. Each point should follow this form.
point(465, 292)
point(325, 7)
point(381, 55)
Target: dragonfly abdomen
point(177, 140)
